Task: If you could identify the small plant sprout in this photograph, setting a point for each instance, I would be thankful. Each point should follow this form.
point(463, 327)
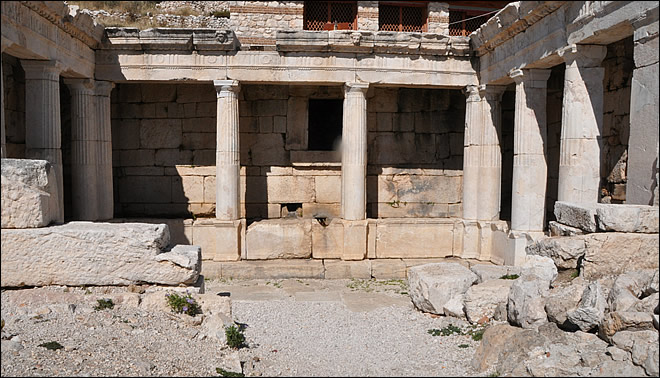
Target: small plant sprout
point(509, 277)
point(104, 304)
point(51, 345)
point(235, 337)
point(225, 373)
point(183, 304)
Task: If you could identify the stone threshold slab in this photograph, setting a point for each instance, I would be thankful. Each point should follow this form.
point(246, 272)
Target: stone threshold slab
point(320, 268)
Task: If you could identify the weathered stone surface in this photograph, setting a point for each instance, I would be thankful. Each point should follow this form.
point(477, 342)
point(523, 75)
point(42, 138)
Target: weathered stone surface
point(526, 303)
point(562, 299)
point(482, 299)
point(627, 218)
point(279, 239)
point(616, 253)
point(564, 251)
point(590, 310)
point(120, 254)
point(413, 239)
point(29, 193)
point(631, 286)
point(493, 272)
point(431, 286)
point(558, 229)
point(540, 266)
point(582, 216)
point(455, 307)
point(617, 321)
point(549, 352)
point(643, 347)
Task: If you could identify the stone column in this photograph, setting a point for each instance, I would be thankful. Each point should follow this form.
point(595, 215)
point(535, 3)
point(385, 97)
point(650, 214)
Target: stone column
point(644, 107)
point(582, 124)
point(354, 152)
point(529, 160)
point(43, 135)
point(84, 150)
point(3, 149)
point(471, 151)
point(490, 162)
point(354, 171)
point(227, 157)
point(105, 198)
point(227, 173)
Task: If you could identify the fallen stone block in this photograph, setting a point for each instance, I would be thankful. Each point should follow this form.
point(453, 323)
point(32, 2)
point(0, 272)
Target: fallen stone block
point(617, 321)
point(540, 266)
point(627, 218)
point(582, 216)
point(482, 299)
point(526, 302)
point(562, 299)
point(643, 347)
point(564, 251)
point(86, 253)
point(29, 193)
point(558, 229)
point(628, 288)
point(614, 253)
point(590, 310)
point(431, 286)
point(493, 272)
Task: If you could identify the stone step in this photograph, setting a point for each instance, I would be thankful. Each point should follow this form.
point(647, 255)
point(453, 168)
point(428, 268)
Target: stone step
point(321, 268)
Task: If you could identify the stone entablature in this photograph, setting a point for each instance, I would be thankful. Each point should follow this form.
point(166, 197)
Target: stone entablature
point(165, 54)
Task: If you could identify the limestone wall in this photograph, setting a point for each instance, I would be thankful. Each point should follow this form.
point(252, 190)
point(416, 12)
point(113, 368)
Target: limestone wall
point(164, 152)
point(13, 81)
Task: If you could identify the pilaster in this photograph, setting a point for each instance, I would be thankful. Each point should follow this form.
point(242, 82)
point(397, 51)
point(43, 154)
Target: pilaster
point(471, 151)
point(105, 199)
point(490, 161)
point(43, 139)
point(529, 160)
point(582, 124)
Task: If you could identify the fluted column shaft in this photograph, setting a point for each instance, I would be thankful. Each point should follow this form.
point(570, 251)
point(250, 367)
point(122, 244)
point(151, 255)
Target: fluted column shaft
point(530, 169)
point(582, 124)
point(490, 162)
point(3, 149)
point(354, 152)
point(84, 150)
point(471, 151)
point(43, 135)
point(105, 198)
point(227, 156)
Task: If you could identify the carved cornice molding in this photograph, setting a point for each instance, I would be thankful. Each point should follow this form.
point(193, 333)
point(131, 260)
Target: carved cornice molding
point(80, 26)
point(507, 23)
point(163, 39)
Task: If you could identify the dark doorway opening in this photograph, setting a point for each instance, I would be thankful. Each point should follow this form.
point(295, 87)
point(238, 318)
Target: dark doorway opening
point(325, 123)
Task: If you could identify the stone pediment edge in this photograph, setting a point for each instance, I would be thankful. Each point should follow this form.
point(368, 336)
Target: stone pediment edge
point(507, 23)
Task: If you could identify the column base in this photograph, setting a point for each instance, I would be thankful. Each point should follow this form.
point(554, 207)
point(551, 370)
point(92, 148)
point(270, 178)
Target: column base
point(478, 238)
point(509, 248)
point(227, 240)
point(355, 240)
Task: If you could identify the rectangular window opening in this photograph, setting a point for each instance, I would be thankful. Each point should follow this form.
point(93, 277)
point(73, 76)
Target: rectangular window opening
point(325, 124)
point(402, 18)
point(330, 15)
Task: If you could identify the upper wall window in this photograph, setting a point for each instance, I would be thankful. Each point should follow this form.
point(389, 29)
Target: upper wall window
point(402, 17)
point(325, 124)
point(330, 15)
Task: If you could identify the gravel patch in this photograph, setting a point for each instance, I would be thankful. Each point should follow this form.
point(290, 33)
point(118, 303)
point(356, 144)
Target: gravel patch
point(292, 328)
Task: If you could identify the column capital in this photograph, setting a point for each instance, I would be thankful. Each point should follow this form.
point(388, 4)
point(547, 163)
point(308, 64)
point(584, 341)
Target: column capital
point(471, 92)
point(352, 87)
point(41, 69)
point(583, 55)
point(80, 85)
point(224, 87)
point(103, 88)
point(532, 77)
point(492, 92)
